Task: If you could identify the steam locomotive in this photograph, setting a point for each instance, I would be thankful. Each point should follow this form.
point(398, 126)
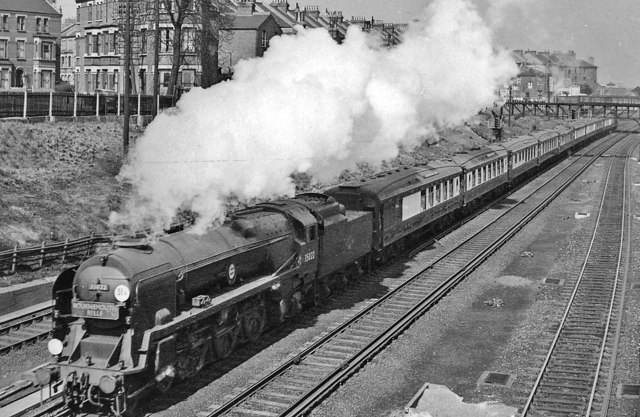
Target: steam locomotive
point(146, 314)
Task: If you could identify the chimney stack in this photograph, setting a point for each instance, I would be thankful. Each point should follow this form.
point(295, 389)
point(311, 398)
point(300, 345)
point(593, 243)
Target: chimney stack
point(246, 7)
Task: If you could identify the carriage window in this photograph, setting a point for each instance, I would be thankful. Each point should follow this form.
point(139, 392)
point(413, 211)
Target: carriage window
point(430, 198)
point(438, 194)
point(423, 199)
point(450, 184)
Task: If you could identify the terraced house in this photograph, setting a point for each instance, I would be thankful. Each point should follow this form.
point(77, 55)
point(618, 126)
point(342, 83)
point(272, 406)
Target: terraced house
point(29, 44)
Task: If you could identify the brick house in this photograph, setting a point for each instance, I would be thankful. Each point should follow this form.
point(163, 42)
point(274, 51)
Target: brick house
point(29, 44)
point(98, 59)
point(247, 36)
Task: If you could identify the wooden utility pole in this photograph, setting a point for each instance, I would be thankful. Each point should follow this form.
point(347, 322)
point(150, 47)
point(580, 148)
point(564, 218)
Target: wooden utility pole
point(127, 80)
point(156, 60)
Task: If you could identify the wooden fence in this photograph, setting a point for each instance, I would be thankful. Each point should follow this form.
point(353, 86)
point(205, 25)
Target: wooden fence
point(52, 104)
point(36, 257)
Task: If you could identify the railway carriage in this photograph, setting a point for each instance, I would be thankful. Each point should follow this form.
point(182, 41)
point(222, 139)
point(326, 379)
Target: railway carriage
point(403, 201)
point(523, 157)
point(484, 173)
point(548, 145)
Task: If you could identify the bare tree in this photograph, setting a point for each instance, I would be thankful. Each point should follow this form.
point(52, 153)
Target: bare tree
point(196, 29)
point(190, 32)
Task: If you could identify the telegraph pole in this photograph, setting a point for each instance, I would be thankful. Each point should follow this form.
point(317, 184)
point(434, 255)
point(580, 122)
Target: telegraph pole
point(127, 81)
point(156, 61)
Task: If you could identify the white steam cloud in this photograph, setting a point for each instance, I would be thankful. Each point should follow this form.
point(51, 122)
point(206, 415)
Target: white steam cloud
point(311, 105)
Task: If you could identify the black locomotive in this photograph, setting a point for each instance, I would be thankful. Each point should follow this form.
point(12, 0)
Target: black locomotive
point(148, 313)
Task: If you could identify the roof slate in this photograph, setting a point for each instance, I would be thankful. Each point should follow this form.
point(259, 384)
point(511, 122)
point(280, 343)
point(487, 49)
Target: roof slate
point(249, 22)
point(31, 6)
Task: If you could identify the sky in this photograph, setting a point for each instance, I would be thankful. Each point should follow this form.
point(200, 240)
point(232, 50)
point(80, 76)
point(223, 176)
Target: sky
point(608, 30)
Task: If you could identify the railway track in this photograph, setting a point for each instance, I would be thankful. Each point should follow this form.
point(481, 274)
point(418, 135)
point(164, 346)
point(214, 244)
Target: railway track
point(19, 329)
point(302, 382)
point(576, 375)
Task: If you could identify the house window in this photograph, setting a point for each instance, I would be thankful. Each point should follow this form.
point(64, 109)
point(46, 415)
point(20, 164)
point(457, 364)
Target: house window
point(90, 18)
point(5, 22)
point(4, 45)
point(46, 50)
point(20, 23)
point(45, 79)
point(38, 25)
point(188, 78)
point(46, 25)
point(165, 79)
point(265, 40)
point(96, 45)
point(529, 85)
point(143, 41)
point(167, 40)
point(4, 78)
point(106, 39)
point(110, 80)
point(21, 49)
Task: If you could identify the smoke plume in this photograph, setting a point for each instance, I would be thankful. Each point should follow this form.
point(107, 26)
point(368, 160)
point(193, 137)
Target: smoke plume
point(311, 105)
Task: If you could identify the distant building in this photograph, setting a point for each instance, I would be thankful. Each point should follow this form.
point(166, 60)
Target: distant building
point(544, 74)
point(98, 59)
point(247, 35)
point(68, 53)
point(29, 44)
point(612, 89)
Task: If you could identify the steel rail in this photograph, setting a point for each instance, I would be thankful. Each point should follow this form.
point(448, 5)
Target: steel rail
point(22, 325)
point(556, 338)
point(627, 256)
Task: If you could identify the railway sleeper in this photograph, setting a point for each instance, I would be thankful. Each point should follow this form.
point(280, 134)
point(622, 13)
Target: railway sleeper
point(558, 370)
point(287, 387)
point(551, 378)
point(309, 368)
point(564, 365)
point(295, 381)
point(279, 395)
point(321, 363)
point(248, 411)
point(565, 385)
point(350, 341)
point(340, 348)
point(269, 403)
point(332, 354)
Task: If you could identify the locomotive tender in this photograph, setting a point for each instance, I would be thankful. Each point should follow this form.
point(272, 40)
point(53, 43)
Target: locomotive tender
point(146, 313)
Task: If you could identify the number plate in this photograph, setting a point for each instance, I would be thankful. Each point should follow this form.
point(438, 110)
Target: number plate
point(94, 310)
